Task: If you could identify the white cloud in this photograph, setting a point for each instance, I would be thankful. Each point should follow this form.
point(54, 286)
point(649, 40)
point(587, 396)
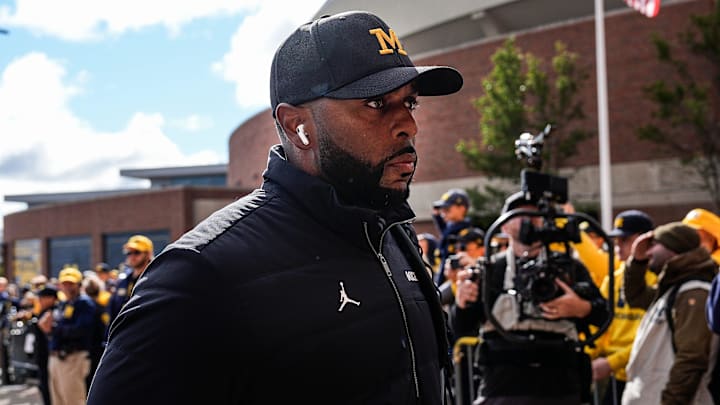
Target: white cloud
point(193, 123)
point(247, 63)
point(81, 20)
point(47, 148)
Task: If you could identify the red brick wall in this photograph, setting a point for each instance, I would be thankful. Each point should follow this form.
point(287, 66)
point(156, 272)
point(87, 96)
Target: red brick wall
point(169, 209)
point(445, 120)
point(248, 150)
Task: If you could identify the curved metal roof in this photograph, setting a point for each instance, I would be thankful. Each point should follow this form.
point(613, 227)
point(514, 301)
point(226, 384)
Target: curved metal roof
point(427, 26)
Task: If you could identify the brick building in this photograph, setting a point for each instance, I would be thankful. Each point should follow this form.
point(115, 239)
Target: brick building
point(91, 227)
point(642, 176)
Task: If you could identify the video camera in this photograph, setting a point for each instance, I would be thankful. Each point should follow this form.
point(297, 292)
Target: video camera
point(535, 280)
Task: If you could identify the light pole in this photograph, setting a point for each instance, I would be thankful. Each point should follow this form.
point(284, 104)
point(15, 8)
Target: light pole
point(603, 133)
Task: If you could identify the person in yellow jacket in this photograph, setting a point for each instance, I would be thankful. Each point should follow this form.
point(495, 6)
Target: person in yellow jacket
point(612, 350)
point(593, 257)
point(590, 250)
point(707, 225)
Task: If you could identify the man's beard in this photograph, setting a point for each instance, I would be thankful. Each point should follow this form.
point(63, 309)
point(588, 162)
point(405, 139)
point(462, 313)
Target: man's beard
point(357, 182)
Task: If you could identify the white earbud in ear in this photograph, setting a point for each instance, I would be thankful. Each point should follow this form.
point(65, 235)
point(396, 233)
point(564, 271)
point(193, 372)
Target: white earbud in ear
point(302, 134)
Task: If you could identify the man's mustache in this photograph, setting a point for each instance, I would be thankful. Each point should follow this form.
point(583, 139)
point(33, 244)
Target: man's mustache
point(403, 151)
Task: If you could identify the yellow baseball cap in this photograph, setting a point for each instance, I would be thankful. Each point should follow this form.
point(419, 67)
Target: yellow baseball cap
point(71, 274)
point(140, 243)
point(704, 220)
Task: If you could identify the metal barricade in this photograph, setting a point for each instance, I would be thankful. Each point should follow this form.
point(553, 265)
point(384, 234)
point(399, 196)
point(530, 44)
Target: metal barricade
point(464, 363)
point(23, 363)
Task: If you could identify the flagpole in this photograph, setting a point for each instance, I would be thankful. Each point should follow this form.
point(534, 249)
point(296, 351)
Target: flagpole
point(602, 105)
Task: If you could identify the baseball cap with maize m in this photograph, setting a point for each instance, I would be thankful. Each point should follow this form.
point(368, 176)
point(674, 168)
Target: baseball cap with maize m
point(351, 55)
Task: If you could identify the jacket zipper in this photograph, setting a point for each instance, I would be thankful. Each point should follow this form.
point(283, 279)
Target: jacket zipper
point(388, 273)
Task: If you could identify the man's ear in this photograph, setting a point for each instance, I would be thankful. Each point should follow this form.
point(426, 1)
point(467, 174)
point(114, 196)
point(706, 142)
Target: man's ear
point(294, 121)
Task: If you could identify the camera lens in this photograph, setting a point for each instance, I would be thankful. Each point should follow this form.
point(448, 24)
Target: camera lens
point(543, 288)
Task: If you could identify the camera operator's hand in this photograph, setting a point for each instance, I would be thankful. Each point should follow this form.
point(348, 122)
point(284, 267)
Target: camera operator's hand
point(568, 305)
point(468, 290)
point(641, 245)
point(465, 259)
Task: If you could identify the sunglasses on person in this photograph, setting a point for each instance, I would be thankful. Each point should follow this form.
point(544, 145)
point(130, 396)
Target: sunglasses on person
point(133, 253)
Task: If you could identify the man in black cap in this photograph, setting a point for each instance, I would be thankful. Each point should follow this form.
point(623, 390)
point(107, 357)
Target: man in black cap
point(47, 298)
point(669, 361)
point(549, 369)
point(450, 217)
point(347, 313)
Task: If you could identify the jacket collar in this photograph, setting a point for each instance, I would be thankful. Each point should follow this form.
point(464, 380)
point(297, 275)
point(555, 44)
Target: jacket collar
point(693, 265)
point(319, 199)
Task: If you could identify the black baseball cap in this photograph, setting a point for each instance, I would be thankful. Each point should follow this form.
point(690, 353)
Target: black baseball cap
point(516, 200)
point(454, 196)
point(476, 235)
point(102, 268)
point(48, 291)
point(631, 222)
point(351, 55)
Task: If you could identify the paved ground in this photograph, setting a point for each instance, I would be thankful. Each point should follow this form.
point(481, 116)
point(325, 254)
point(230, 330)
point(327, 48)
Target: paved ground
point(19, 395)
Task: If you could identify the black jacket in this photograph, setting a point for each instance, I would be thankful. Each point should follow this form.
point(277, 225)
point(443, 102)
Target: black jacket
point(551, 368)
point(246, 308)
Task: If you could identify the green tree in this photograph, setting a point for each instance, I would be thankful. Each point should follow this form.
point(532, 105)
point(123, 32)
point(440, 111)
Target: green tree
point(521, 96)
point(687, 108)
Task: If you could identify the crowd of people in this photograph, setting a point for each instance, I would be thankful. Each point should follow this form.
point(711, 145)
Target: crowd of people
point(316, 287)
point(65, 322)
point(659, 346)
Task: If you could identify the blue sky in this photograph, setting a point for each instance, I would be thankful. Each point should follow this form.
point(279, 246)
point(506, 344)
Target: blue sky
point(88, 87)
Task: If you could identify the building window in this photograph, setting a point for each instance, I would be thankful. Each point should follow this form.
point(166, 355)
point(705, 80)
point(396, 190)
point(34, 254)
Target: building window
point(69, 250)
point(26, 260)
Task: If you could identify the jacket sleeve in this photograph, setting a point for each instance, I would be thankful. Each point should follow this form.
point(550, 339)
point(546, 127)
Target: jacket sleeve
point(164, 345)
point(692, 341)
point(439, 223)
point(598, 305)
point(619, 359)
point(713, 305)
point(467, 321)
point(637, 292)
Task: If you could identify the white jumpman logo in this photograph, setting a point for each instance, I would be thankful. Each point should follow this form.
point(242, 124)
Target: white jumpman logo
point(344, 299)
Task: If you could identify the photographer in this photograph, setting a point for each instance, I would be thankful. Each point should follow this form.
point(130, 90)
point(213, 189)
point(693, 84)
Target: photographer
point(469, 248)
point(450, 218)
point(550, 368)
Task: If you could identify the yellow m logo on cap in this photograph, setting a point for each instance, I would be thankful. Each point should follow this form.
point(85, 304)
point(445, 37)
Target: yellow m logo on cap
point(384, 40)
